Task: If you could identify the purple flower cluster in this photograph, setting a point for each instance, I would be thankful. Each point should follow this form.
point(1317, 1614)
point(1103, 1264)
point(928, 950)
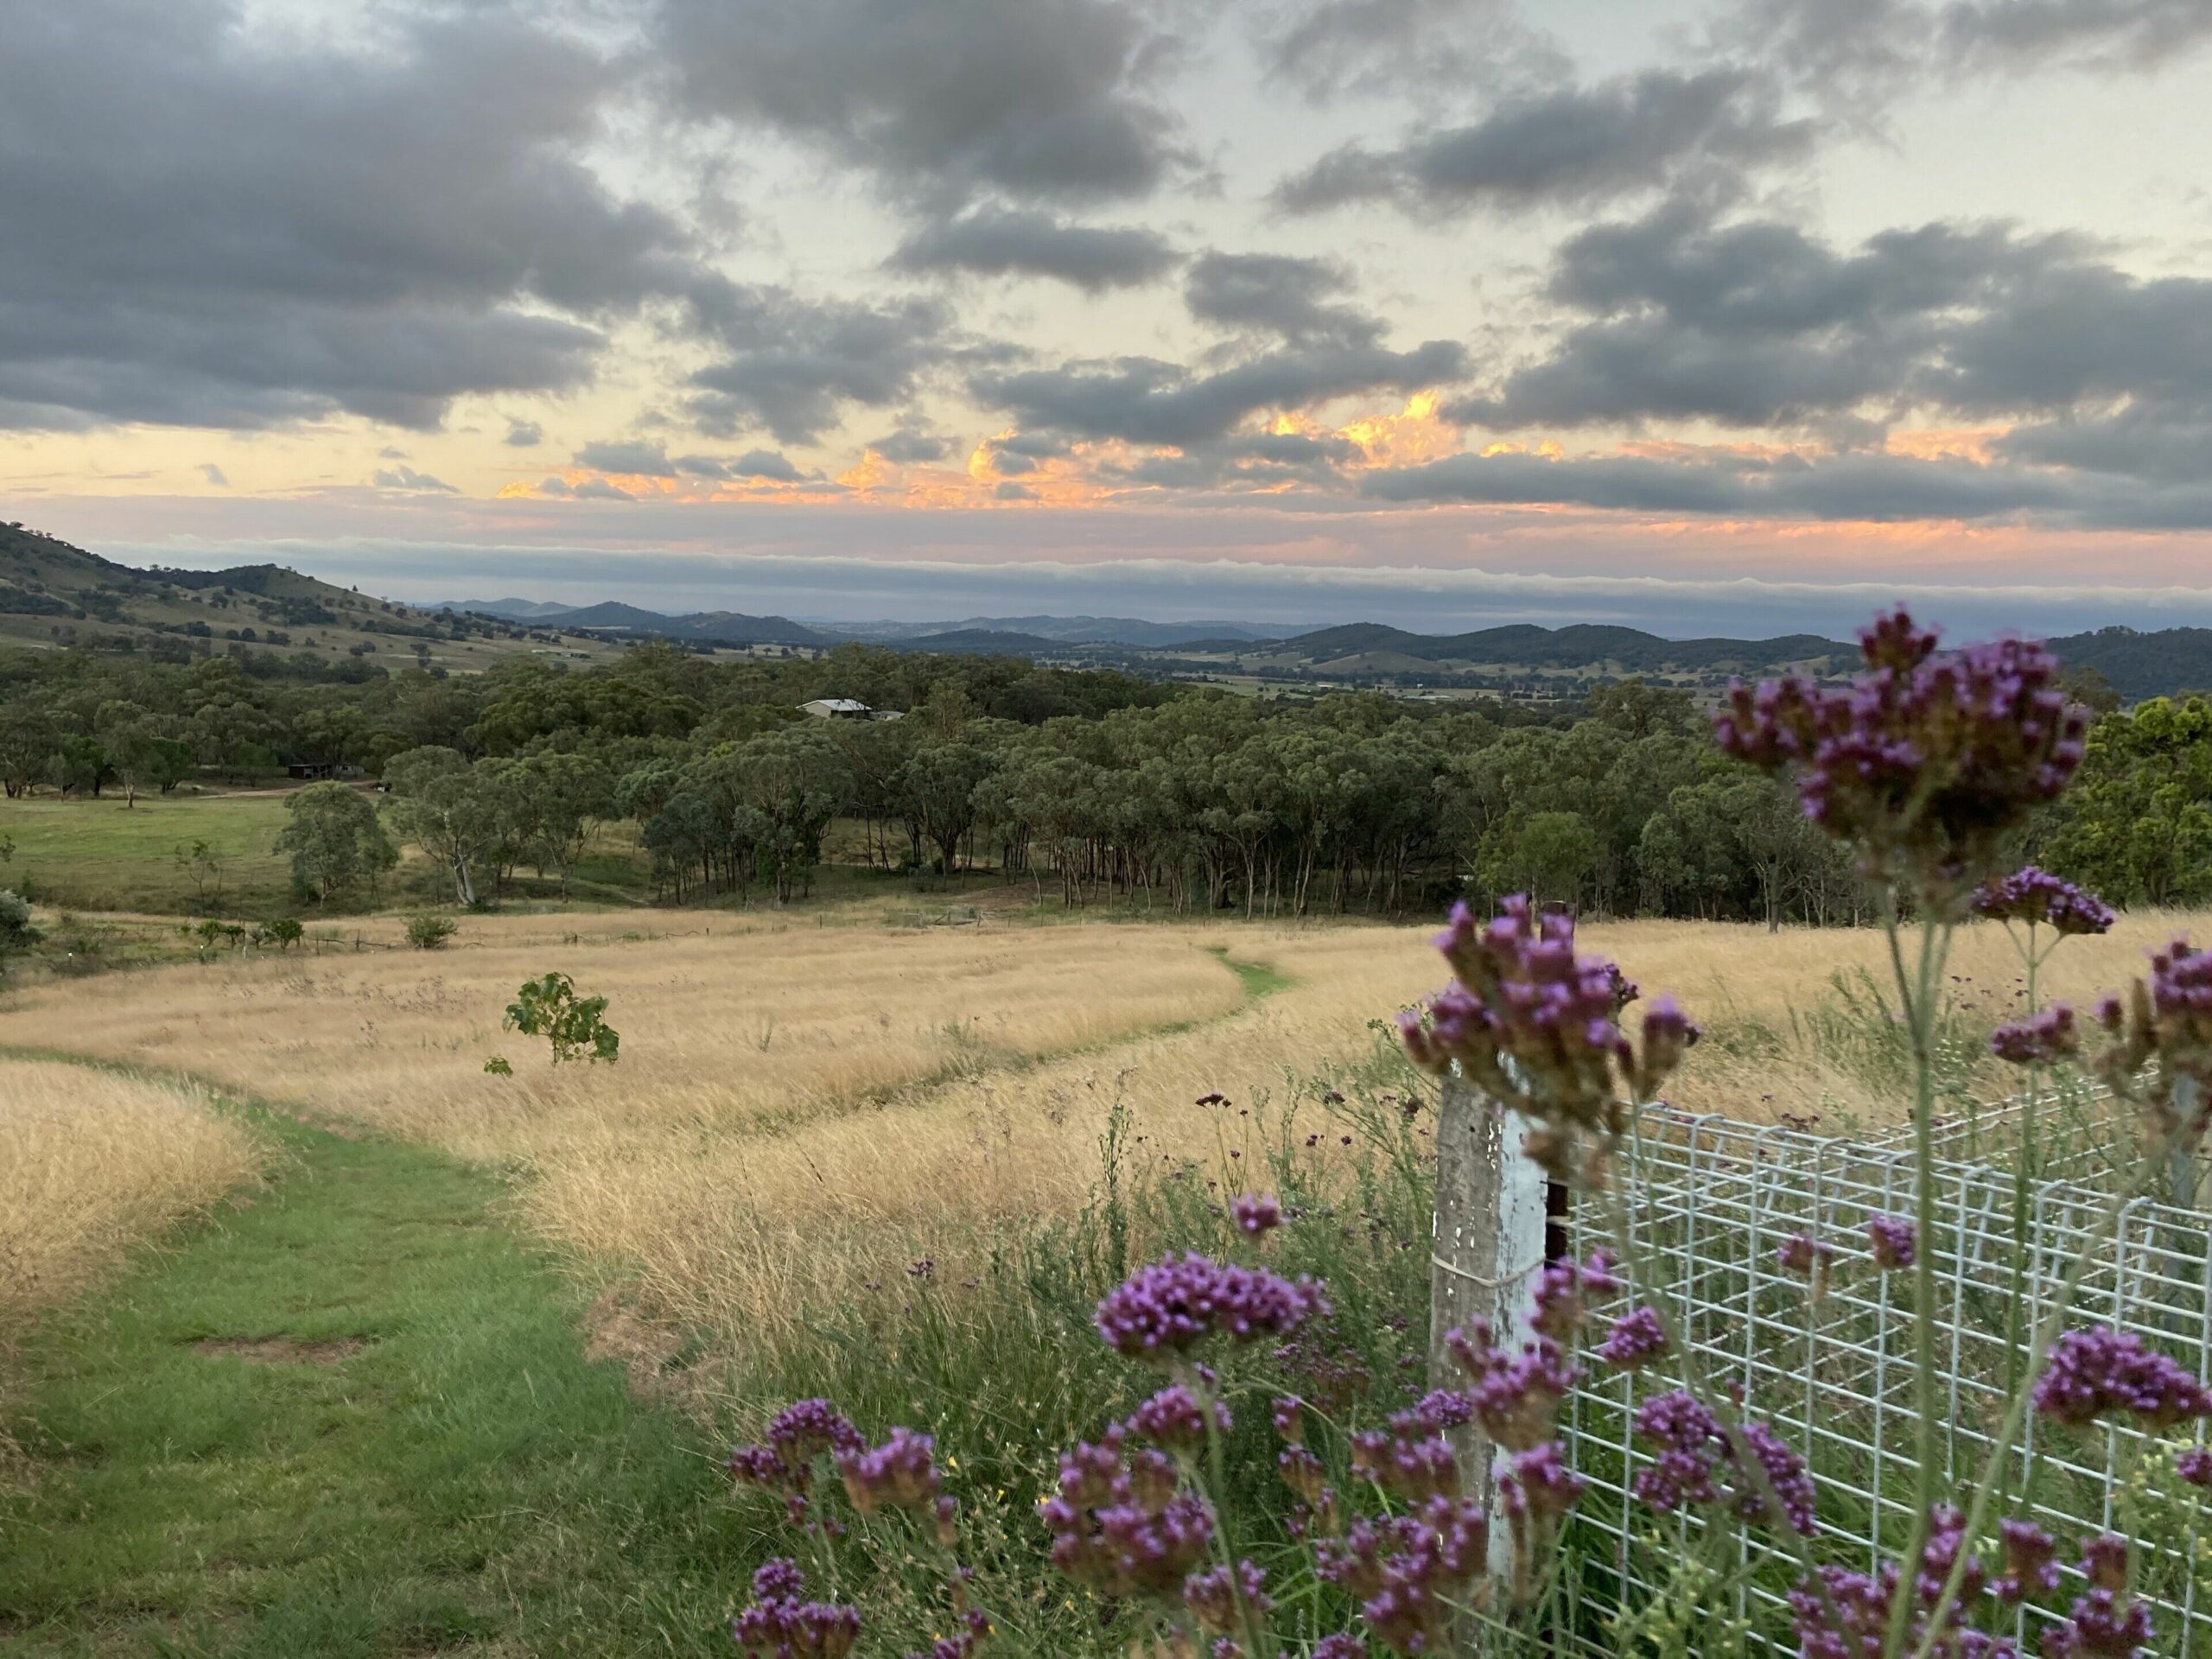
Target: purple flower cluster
point(778, 1626)
point(2105, 1624)
point(797, 1435)
point(1801, 1253)
point(2091, 1373)
point(1928, 759)
point(1174, 1418)
point(1541, 1485)
point(1340, 1647)
point(1851, 1621)
point(1405, 1568)
point(2168, 1018)
point(1896, 1242)
point(1530, 1021)
point(2040, 1039)
point(2195, 1466)
point(2031, 1561)
point(900, 1474)
point(1693, 1447)
point(2038, 898)
point(1119, 1522)
point(1213, 1597)
point(1516, 1397)
point(1563, 1293)
point(1163, 1309)
point(1638, 1338)
point(1255, 1215)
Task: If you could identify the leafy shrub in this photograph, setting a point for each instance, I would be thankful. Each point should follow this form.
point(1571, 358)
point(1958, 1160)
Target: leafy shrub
point(572, 1024)
point(430, 932)
point(497, 1066)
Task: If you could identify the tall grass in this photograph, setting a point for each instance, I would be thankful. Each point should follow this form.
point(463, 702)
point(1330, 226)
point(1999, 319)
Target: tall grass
point(91, 1164)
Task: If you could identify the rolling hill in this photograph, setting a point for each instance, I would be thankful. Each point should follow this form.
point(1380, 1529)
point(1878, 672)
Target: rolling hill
point(53, 596)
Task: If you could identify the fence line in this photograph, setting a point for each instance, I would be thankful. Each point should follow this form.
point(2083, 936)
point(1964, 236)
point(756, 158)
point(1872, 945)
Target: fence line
point(1831, 1363)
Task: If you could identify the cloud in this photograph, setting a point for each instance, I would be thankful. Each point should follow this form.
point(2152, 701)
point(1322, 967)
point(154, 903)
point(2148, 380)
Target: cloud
point(1329, 49)
point(592, 489)
point(1021, 243)
point(1572, 146)
point(1040, 100)
point(1144, 400)
point(752, 464)
point(631, 457)
point(1862, 55)
point(910, 444)
point(1277, 293)
point(403, 477)
point(1757, 323)
point(793, 365)
point(524, 435)
point(290, 229)
point(214, 474)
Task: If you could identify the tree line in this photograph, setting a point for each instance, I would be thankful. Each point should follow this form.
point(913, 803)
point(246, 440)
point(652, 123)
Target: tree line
point(1087, 786)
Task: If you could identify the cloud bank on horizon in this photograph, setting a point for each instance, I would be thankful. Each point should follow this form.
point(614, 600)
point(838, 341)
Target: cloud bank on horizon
point(1605, 307)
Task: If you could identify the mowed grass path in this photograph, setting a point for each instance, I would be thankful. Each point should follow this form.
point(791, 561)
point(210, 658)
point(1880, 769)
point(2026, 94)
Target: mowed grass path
point(352, 1418)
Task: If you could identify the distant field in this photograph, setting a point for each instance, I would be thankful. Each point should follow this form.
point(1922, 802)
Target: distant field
point(796, 1090)
point(100, 855)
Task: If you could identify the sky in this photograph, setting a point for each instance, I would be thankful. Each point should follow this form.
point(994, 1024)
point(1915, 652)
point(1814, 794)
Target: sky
point(1742, 316)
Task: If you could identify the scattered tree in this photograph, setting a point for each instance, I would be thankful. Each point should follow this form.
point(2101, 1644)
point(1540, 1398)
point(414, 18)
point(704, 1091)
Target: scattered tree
point(574, 1026)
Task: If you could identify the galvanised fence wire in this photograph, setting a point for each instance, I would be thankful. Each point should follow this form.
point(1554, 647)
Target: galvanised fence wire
point(1827, 1357)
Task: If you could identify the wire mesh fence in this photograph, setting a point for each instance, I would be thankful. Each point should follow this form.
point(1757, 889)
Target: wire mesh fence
point(1826, 1356)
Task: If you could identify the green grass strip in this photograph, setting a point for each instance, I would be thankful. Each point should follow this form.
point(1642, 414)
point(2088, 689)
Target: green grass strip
point(446, 1475)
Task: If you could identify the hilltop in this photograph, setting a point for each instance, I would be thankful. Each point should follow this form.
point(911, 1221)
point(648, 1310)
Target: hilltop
point(53, 596)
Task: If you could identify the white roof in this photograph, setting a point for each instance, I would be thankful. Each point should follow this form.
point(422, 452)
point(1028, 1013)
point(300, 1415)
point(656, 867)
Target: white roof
point(837, 705)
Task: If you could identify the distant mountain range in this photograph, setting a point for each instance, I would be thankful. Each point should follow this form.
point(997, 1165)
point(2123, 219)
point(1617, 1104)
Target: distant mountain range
point(736, 628)
point(53, 594)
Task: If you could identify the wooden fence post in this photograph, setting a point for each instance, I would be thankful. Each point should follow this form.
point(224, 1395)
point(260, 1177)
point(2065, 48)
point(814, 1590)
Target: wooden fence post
point(1489, 1245)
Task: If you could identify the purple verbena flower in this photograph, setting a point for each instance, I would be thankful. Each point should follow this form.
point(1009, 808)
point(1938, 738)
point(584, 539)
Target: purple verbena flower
point(1212, 1597)
point(2195, 1466)
point(900, 1474)
point(797, 1435)
point(2031, 1561)
point(1853, 1620)
point(1255, 1215)
point(1340, 1646)
point(781, 1626)
point(1693, 1447)
point(1120, 1524)
point(2100, 1625)
point(777, 1580)
point(2036, 897)
point(1801, 1253)
point(1539, 1484)
point(1174, 1419)
point(1166, 1308)
point(1638, 1338)
point(1896, 1242)
point(1562, 1291)
point(2042, 1039)
point(1926, 760)
point(1517, 1397)
point(2091, 1373)
point(1532, 1022)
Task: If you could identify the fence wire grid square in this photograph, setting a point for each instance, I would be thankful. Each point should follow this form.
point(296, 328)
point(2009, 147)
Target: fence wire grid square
point(1711, 1200)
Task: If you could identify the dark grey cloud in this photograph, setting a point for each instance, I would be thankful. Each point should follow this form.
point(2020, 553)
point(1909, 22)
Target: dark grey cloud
point(214, 474)
point(636, 458)
point(793, 365)
point(1144, 400)
point(1757, 324)
point(1861, 55)
point(1278, 293)
point(405, 477)
point(1570, 146)
point(1852, 487)
point(1333, 48)
point(1246, 460)
point(592, 489)
point(212, 225)
point(1042, 99)
point(1020, 242)
point(911, 443)
point(524, 435)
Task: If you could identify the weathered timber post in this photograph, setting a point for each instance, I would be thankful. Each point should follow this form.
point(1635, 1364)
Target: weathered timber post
point(1489, 1245)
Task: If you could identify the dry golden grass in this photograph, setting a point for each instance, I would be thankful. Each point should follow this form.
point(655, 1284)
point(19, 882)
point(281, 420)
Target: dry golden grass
point(92, 1163)
point(797, 1102)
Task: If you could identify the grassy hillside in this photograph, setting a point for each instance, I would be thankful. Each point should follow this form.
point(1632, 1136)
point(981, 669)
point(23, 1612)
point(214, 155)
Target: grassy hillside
point(55, 596)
